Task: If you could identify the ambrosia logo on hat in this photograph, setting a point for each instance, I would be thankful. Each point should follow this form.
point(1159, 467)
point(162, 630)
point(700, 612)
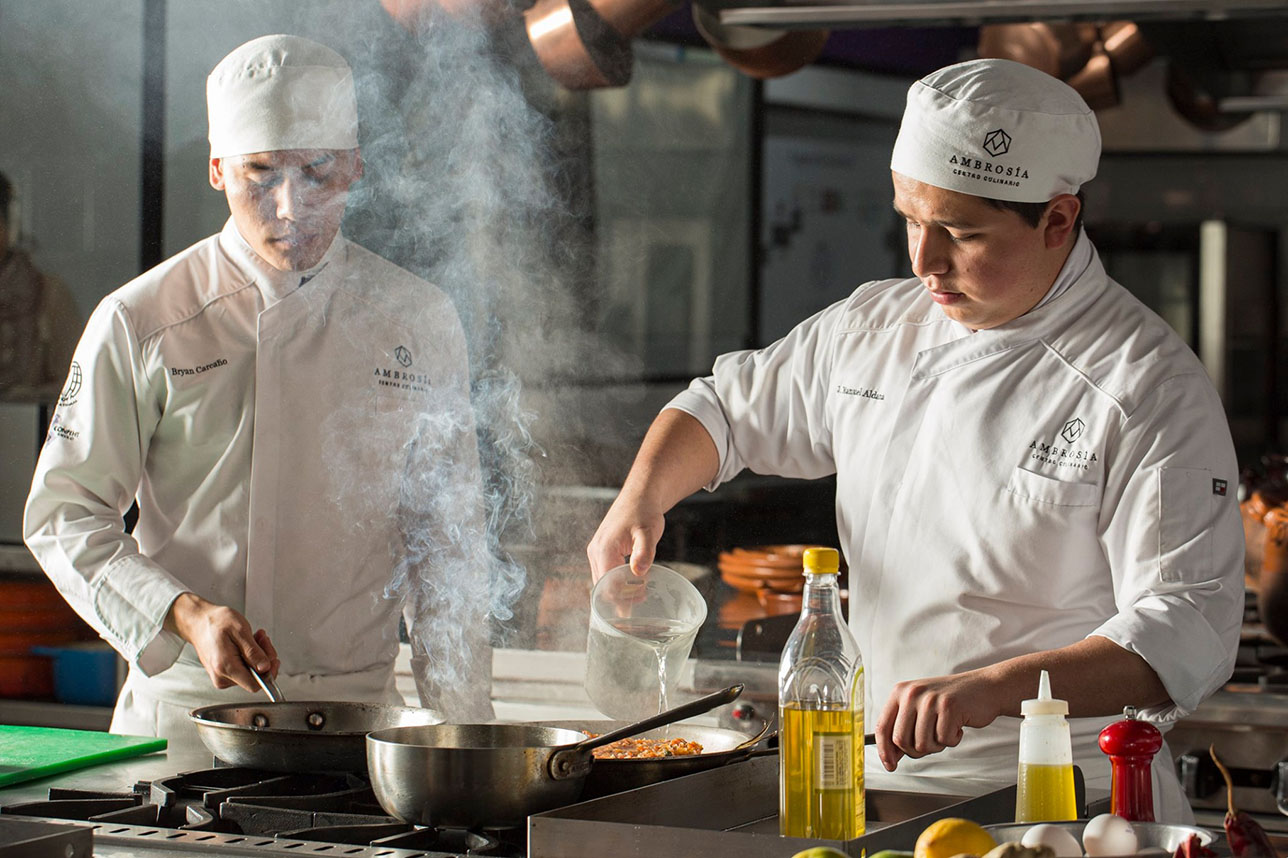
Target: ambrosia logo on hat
point(281, 92)
point(997, 129)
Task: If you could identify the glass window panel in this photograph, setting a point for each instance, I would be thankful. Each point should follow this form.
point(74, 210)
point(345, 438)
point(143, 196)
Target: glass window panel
point(671, 171)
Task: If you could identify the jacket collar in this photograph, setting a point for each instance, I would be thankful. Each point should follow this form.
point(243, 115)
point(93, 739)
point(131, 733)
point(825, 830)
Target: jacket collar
point(273, 284)
point(1081, 281)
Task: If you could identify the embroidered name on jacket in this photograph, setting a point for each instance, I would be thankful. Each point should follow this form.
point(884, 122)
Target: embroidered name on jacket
point(198, 370)
point(861, 392)
point(58, 430)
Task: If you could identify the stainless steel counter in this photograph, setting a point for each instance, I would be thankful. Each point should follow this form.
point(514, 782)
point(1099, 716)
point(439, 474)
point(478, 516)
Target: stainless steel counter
point(16, 559)
point(47, 713)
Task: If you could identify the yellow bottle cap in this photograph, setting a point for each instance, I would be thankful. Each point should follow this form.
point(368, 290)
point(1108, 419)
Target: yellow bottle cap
point(821, 561)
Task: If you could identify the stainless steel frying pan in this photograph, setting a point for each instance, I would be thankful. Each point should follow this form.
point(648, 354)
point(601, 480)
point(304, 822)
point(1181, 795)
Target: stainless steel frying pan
point(493, 774)
point(300, 737)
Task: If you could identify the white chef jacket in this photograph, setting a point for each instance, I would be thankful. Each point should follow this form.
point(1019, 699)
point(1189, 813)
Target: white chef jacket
point(281, 432)
point(1003, 492)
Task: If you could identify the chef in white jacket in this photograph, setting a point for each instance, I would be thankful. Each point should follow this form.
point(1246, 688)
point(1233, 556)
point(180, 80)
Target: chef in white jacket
point(291, 414)
point(1033, 470)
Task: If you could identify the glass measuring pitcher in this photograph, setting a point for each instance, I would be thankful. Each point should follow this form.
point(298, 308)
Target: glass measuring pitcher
point(641, 631)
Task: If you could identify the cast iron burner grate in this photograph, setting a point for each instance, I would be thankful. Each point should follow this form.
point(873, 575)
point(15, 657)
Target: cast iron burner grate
point(325, 808)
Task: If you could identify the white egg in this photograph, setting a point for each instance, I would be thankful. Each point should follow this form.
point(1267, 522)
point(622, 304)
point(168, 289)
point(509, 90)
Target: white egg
point(1108, 834)
point(1060, 840)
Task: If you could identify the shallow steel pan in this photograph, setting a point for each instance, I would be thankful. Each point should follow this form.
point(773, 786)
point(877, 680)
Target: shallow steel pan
point(300, 737)
point(462, 775)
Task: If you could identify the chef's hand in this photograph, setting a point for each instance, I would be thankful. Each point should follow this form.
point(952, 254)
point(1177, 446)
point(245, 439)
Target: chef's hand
point(925, 716)
point(223, 640)
point(676, 458)
point(631, 528)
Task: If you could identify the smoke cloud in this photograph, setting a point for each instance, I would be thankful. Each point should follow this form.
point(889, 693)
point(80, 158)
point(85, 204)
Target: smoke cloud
point(469, 185)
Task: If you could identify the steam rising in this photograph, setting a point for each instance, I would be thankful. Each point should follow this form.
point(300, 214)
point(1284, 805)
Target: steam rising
point(461, 189)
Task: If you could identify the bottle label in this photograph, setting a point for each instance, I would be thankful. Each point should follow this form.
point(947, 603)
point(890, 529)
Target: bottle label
point(833, 757)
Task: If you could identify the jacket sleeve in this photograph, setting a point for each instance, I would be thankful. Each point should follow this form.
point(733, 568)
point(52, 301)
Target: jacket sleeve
point(448, 568)
point(85, 480)
point(1171, 530)
point(766, 410)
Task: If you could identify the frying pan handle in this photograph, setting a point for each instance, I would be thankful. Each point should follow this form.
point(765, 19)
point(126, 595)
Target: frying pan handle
point(574, 761)
point(763, 735)
point(267, 683)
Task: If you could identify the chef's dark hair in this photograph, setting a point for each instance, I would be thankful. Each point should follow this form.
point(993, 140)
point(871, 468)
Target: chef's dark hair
point(6, 196)
point(1031, 213)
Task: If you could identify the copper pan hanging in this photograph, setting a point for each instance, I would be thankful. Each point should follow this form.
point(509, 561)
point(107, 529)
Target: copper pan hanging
point(758, 51)
point(576, 46)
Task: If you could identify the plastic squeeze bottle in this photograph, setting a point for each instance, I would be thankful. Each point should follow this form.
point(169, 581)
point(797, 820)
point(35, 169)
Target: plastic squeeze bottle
point(1131, 745)
point(1045, 779)
point(820, 714)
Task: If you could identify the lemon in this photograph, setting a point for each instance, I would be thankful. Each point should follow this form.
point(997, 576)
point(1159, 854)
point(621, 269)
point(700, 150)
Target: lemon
point(945, 838)
point(820, 852)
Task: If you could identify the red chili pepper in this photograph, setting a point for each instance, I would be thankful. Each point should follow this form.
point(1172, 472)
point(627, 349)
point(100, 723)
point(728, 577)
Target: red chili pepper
point(1245, 835)
point(1192, 847)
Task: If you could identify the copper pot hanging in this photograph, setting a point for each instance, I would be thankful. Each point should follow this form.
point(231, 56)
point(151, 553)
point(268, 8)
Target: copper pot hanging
point(1097, 81)
point(632, 17)
point(576, 46)
point(1057, 49)
point(757, 51)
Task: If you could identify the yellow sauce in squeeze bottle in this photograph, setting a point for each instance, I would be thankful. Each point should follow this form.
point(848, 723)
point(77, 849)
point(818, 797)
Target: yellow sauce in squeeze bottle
point(1045, 778)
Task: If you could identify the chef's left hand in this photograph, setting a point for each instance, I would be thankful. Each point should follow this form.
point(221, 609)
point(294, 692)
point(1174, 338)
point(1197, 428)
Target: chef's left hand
point(925, 716)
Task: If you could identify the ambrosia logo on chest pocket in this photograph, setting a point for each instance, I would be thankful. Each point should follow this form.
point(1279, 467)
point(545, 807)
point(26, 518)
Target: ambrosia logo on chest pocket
point(1049, 490)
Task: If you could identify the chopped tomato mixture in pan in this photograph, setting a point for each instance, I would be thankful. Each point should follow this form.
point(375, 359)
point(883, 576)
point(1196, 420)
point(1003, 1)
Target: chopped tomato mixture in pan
point(645, 749)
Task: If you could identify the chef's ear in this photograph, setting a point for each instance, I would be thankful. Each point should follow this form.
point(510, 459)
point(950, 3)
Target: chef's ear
point(1060, 219)
point(217, 173)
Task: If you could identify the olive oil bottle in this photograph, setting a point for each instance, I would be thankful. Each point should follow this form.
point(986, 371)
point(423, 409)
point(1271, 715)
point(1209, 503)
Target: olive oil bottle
point(820, 713)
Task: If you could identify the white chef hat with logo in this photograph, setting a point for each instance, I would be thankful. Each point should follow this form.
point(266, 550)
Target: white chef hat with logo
point(998, 129)
point(281, 92)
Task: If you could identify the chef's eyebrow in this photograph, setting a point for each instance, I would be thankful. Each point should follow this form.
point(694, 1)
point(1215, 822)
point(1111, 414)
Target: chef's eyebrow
point(949, 224)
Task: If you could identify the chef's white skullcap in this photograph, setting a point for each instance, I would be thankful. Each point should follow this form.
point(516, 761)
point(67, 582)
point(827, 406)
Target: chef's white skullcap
point(281, 92)
point(997, 129)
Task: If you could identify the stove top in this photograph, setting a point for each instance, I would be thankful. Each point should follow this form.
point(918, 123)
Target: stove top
point(246, 811)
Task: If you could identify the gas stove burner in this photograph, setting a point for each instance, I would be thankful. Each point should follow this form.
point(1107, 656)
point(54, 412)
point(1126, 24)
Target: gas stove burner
point(214, 786)
point(289, 808)
point(126, 808)
point(406, 836)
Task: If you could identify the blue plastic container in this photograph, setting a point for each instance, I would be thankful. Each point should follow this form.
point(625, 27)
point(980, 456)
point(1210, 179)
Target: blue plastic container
point(85, 674)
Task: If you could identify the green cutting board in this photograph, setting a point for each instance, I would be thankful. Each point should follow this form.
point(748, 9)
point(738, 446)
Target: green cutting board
point(33, 752)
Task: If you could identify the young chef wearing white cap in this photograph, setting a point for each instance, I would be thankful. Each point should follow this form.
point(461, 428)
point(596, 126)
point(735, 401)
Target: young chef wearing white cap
point(263, 394)
point(1033, 471)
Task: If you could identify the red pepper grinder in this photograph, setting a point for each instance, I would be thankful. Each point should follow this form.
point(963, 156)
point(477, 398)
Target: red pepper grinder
point(1131, 746)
